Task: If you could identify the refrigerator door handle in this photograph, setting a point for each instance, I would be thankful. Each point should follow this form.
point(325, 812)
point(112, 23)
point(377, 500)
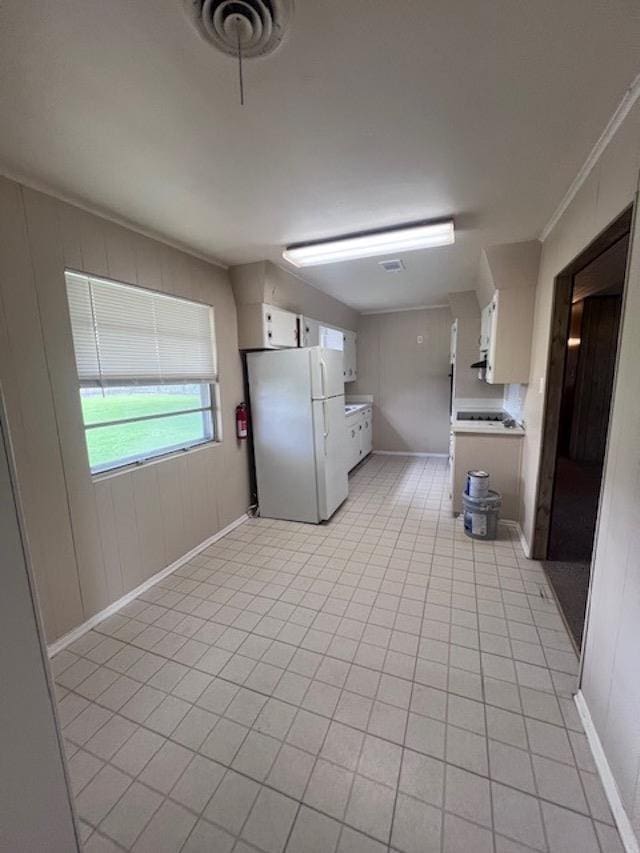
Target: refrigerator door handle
point(325, 422)
point(323, 378)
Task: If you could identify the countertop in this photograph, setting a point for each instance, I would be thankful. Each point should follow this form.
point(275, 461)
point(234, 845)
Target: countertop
point(485, 428)
point(355, 408)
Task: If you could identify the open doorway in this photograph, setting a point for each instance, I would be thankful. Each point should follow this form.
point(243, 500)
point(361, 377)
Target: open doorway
point(582, 361)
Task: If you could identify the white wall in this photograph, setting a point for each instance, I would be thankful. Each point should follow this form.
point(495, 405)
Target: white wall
point(35, 807)
point(611, 676)
point(94, 539)
point(409, 380)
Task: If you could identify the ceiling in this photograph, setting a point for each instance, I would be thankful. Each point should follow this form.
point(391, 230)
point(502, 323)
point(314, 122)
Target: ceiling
point(372, 113)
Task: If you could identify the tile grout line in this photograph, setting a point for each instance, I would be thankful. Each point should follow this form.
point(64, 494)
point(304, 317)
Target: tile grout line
point(324, 560)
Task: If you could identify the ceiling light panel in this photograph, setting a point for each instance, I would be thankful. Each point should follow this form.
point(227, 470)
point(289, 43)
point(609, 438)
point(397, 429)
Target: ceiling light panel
point(406, 239)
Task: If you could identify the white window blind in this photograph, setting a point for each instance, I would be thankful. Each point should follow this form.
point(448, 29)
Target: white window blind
point(125, 334)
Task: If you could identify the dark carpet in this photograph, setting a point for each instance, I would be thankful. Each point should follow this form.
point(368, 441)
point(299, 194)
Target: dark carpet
point(570, 582)
point(574, 510)
point(573, 523)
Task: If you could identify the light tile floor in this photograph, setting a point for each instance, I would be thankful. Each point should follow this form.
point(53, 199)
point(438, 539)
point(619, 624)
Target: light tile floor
point(379, 682)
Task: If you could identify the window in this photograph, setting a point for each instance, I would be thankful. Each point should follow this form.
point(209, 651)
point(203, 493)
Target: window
point(147, 370)
point(331, 338)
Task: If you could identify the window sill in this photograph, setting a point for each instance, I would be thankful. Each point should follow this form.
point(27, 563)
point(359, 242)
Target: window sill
point(156, 460)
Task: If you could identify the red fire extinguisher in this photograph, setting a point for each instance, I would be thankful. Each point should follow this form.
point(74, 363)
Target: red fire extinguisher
point(242, 420)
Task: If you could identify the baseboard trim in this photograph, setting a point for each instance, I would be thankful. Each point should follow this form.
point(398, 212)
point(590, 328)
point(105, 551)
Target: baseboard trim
point(407, 453)
point(521, 536)
point(75, 633)
point(627, 835)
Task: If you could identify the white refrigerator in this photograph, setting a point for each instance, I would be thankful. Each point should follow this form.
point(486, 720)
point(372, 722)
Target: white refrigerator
point(299, 432)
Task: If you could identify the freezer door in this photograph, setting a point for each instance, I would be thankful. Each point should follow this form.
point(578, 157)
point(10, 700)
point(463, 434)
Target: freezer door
point(282, 429)
point(327, 373)
point(331, 454)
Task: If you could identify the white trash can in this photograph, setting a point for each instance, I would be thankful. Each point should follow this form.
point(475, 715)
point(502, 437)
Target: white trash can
point(481, 515)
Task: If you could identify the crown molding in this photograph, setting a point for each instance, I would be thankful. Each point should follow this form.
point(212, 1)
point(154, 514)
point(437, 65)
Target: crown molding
point(622, 111)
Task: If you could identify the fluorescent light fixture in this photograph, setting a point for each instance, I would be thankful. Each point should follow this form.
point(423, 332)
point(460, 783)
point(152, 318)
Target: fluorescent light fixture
point(407, 238)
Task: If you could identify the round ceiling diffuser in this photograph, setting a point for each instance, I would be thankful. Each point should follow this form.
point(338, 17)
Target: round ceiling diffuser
point(241, 27)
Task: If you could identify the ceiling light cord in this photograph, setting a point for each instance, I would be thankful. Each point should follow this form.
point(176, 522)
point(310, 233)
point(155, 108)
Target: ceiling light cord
point(240, 77)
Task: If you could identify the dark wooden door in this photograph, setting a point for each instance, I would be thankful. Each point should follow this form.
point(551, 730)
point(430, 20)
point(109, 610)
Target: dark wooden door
point(594, 380)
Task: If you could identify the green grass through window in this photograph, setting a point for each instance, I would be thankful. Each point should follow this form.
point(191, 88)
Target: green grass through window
point(109, 445)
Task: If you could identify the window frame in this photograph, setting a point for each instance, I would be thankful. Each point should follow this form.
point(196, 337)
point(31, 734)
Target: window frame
point(214, 408)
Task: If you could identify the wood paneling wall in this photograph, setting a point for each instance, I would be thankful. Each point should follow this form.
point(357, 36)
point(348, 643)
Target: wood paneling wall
point(94, 539)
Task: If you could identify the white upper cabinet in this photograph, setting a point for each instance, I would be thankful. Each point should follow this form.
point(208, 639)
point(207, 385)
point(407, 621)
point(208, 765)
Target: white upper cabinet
point(316, 334)
point(310, 332)
point(485, 327)
point(454, 342)
point(509, 317)
point(262, 326)
point(349, 354)
point(331, 338)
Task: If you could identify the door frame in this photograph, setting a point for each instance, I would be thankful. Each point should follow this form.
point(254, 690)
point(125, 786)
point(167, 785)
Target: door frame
point(554, 385)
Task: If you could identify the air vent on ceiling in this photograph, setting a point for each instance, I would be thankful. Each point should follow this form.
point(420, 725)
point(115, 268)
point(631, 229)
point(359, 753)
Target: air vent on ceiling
point(250, 27)
point(392, 266)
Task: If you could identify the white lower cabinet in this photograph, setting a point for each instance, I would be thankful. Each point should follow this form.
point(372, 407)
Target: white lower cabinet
point(499, 455)
point(367, 433)
point(359, 436)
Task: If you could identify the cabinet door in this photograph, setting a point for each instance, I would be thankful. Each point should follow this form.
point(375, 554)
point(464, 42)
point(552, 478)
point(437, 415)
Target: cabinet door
point(311, 335)
point(367, 426)
point(509, 354)
point(354, 442)
point(485, 326)
point(350, 366)
point(331, 338)
point(282, 327)
point(454, 342)
point(361, 452)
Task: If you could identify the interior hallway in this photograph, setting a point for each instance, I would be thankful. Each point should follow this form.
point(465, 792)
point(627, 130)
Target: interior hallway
point(378, 682)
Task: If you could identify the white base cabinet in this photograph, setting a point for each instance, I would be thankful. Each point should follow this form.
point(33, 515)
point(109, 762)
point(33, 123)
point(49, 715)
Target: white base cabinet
point(499, 455)
point(359, 436)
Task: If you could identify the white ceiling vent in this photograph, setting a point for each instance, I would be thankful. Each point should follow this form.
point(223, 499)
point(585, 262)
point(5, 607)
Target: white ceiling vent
point(248, 28)
point(392, 266)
